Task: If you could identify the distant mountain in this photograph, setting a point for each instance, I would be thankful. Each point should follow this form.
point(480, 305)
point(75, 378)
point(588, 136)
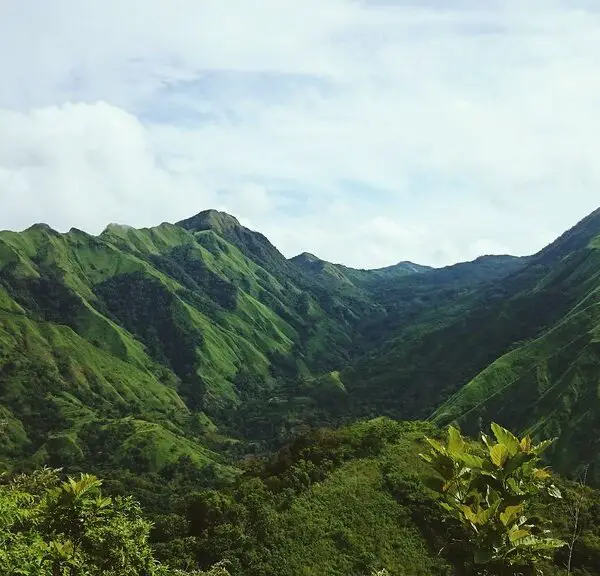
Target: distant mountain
point(503, 339)
point(359, 278)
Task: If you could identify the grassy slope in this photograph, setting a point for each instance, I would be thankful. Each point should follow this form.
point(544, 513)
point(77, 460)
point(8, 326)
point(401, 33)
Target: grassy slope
point(549, 384)
point(142, 322)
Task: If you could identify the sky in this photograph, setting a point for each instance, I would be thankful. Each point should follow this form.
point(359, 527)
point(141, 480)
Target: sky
point(364, 131)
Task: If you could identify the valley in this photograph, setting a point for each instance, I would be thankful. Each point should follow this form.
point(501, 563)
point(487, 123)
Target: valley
point(195, 359)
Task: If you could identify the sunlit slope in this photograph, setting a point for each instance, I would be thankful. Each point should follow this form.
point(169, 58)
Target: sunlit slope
point(549, 384)
point(158, 323)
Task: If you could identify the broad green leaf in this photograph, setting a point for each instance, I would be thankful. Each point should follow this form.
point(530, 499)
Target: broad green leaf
point(553, 543)
point(510, 514)
point(539, 448)
point(456, 444)
point(526, 443)
point(437, 446)
point(481, 516)
point(426, 457)
point(518, 534)
point(468, 513)
point(541, 474)
point(516, 461)
point(514, 486)
point(471, 460)
point(507, 438)
point(443, 465)
point(538, 543)
point(484, 516)
point(499, 454)
point(435, 484)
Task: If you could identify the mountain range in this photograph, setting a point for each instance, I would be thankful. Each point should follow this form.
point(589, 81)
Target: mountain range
point(200, 337)
point(253, 403)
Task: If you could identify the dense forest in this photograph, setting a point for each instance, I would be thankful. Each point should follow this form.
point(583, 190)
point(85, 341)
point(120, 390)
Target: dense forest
point(254, 415)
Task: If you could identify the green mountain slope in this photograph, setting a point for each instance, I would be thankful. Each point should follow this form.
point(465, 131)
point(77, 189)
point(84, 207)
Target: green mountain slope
point(163, 358)
point(548, 385)
point(158, 325)
point(195, 335)
point(446, 326)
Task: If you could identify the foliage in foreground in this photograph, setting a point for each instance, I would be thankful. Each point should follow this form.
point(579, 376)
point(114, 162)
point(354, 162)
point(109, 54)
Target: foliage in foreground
point(488, 488)
point(54, 528)
point(344, 502)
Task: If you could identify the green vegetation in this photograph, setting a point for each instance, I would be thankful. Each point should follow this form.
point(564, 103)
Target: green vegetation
point(488, 490)
point(69, 528)
point(250, 402)
point(357, 500)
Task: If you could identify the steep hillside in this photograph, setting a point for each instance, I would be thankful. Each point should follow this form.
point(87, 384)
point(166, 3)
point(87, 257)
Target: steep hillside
point(158, 325)
point(444, 327)
point(549, 384)
point(199, 339)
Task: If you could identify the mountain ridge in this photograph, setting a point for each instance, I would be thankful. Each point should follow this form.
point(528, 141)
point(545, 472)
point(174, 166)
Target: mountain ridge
point(212, 312)
point(198, 368)
point(220, 221)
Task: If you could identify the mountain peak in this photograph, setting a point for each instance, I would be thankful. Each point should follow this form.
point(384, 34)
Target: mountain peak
point(305, 257)
point(411, 266)
point(210, 220)
point(42, 227)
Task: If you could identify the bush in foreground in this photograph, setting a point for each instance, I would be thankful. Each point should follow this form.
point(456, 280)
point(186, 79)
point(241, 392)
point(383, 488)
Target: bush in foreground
point(54, 528)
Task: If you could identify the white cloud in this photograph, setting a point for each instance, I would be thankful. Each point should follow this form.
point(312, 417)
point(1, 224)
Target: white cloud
point(85, 165)
point(366, 132)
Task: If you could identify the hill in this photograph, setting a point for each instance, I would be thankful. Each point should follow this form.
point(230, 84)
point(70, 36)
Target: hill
point(201, 338)
point(173, 360)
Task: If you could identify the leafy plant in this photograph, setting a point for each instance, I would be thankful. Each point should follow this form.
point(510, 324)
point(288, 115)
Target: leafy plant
point(487, 488)
point(53, 528)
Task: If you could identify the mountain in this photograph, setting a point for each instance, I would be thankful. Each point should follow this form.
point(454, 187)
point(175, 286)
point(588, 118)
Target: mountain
point(547, 383)
point(197, 338)
point(151, 326)
point(359, 278)
point(194, 365)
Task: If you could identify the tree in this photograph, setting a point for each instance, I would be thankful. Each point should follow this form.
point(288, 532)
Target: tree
point(54, 528)
point(487, 488)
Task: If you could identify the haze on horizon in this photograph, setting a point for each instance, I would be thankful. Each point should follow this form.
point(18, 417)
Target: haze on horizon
point(365, 132)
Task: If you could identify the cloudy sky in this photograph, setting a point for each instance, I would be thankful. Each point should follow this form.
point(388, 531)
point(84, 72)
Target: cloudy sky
point(367, 132)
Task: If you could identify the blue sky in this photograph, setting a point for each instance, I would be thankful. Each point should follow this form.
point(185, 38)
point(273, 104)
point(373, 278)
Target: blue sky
point(366, 132)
